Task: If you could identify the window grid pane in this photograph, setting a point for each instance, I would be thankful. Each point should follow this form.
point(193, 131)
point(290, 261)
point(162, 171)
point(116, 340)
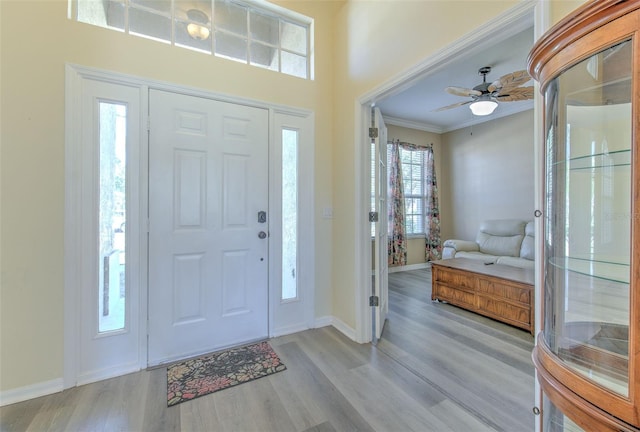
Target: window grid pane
point(414, 193)
point(148, 24)
point(270, 40)
point(230, 17)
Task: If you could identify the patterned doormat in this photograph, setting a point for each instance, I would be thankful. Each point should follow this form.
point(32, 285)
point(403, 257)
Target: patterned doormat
point(203, 375)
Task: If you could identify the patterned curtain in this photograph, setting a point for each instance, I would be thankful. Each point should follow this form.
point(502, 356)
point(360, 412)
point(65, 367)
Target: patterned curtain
point(433, 249)
point(397, 247)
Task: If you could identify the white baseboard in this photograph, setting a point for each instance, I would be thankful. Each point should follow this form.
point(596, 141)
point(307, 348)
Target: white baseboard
point(409, 267)
point(103, 374)
point(338, 324)
point(283, 331)
point(31, 391)
point(343, 328)
point(324, 321)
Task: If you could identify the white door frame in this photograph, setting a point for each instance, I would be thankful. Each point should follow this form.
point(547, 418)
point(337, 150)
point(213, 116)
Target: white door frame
point(74, 76)
point(513, 21)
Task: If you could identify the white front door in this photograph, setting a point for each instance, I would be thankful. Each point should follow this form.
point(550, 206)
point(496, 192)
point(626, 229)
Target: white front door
point(208, 248)
point(381, 276)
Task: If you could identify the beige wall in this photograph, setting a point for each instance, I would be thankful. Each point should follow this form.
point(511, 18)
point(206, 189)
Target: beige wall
point(358, 46)
point(376, 40)
point(32, 171)
point(488, 174)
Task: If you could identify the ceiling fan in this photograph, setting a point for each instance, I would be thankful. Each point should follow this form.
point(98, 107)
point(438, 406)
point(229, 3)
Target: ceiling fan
point(485, 96)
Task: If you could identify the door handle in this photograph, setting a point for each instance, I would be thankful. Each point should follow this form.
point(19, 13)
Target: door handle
point(262, 235)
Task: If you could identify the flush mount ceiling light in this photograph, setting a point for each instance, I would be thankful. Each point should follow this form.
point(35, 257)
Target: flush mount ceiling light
point(198, 28)
point(483, 106)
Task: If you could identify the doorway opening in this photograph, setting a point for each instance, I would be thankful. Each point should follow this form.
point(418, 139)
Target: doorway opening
point(515, 20)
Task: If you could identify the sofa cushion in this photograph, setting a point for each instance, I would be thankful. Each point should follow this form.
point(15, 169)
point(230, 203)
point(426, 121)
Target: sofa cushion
point(515, 262)
point(527, 250)
point(477, 256)
point(501, 237)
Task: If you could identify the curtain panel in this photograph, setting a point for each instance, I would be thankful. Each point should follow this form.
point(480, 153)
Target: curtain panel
point(396, 209)
point(433, 244)
point(397, 247)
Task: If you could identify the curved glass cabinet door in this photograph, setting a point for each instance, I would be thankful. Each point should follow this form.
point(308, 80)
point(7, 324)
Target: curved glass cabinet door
point(555, 420)
point(587, 244)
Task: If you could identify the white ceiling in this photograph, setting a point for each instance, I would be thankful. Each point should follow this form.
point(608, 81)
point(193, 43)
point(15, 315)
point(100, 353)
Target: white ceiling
point(414, 106)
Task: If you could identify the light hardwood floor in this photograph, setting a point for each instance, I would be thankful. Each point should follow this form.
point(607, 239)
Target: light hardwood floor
point(436, 368)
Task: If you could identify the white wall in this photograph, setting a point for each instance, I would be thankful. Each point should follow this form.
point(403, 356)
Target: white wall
point(488, 174)
point(375, 41)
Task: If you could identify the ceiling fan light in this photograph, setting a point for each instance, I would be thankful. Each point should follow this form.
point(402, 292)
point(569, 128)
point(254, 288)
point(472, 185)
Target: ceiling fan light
point(198, 29)
point(483, 107)
point(198, 32)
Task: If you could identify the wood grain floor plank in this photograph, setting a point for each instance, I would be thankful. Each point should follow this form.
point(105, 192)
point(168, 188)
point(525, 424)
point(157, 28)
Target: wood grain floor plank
point(436, 368)
point(157, 416)
point(199, 415)
point(232, 410)
point(322, 427)
point(56, 411)
point(18, 417)
point(368, 391)
point(315, 390)
point(264, 404)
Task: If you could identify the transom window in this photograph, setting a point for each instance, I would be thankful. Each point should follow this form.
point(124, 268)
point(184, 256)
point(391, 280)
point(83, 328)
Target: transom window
point(266, 36)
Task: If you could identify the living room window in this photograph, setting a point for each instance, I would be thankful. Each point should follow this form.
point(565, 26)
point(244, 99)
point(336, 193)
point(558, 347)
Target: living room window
point(415, 195)
point(259, 34)
point(414, 190)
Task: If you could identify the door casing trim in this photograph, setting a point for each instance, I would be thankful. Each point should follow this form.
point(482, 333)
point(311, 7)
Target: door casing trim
point(510, 22)
point(74, 76)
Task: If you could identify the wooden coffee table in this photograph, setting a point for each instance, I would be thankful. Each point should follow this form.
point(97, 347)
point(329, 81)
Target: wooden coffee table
point(501, 292)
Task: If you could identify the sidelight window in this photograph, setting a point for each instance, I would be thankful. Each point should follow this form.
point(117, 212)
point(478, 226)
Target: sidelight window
point(111, 216)
point(289, 213)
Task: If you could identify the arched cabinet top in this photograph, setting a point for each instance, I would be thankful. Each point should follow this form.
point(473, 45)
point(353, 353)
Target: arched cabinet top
point(587, 18)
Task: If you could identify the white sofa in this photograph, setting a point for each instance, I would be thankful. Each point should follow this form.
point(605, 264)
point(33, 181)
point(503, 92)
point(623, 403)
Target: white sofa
point(507, 241)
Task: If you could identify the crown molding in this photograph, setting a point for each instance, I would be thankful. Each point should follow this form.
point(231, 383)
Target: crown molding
point(410, 124)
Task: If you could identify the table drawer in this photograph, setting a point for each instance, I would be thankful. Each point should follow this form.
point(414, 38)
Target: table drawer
point(505, 290)
point(504, 310)
point(455, 278)
point(455, 296)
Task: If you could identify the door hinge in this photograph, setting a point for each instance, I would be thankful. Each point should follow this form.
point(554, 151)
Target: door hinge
point(374, 301)
point(373, 216)
point(373, 132)
point(148, 124)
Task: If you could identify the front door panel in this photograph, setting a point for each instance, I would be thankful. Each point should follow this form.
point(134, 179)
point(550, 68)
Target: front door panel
point(208, 180)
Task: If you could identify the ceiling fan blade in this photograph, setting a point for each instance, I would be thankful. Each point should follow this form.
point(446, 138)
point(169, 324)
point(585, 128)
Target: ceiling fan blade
point(455, 105)
point(516, 94)
point(461, 91)
point(509, 81)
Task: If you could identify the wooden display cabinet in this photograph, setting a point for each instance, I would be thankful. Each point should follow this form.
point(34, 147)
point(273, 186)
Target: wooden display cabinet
point(587, 355)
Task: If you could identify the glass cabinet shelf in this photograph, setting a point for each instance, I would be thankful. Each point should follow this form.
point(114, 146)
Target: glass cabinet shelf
point(606, 270)
point(614, 159)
